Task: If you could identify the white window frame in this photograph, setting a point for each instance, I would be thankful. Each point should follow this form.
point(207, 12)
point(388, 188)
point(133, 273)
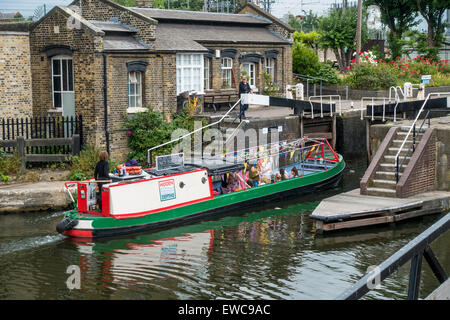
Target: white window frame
point(62, 58)
point(207, 73)
point(227, 72)
point(135, 79)
point(182, 68)
point(269, 64)
point(251, 73)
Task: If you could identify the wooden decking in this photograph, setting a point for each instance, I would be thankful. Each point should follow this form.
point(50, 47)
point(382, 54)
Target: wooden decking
point(351, 209)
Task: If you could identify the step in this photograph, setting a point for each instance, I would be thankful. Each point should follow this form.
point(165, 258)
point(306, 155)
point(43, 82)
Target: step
point(381, 192)
point(386, 175)
point(384, 184)
point(391, 159)
point(396, 143)
point(406, 129)
point(393, 151)
point(390, 167)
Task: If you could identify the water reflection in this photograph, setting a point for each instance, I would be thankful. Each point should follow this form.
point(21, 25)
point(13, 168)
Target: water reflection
point(270, 253)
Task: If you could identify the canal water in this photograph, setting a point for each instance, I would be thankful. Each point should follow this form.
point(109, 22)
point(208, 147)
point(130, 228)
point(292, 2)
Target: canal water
point(271, 252)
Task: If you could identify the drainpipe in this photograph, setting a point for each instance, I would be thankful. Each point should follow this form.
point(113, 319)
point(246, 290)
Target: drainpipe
point(105, 101)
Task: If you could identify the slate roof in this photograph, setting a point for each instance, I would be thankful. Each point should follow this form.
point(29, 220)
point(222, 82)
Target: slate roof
point(200, 16)
point(120, 43)
point(185, 37)
point(109, 26)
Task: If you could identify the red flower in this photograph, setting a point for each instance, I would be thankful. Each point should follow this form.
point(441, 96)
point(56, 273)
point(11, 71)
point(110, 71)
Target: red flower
point(354, 60)
point(348, 67)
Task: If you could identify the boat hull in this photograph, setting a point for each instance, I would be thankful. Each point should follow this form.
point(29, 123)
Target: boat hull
point(107, 226)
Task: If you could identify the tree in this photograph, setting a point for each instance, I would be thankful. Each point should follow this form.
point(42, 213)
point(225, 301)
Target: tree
point(338, 32)
point(308, 23)
point(433, 11)
point(399, 16)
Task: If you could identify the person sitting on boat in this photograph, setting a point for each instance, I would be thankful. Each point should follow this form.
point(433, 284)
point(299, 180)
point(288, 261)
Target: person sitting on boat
point(253, 176)
point(231, 182)
point(266, 173)
point(101, 173)
point(277, 177)
point(283, 174)
point(294, 172)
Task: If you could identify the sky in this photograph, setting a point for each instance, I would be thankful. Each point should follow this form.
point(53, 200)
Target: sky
point(281, 7)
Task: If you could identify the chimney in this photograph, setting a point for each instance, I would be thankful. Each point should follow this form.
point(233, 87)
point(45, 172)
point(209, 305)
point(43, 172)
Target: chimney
point(144, 3)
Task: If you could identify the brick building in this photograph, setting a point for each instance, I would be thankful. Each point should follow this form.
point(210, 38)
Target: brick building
point(103, 61)
point(15, 71)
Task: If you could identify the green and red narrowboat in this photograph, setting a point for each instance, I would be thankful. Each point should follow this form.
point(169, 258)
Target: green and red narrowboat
point(180, 193)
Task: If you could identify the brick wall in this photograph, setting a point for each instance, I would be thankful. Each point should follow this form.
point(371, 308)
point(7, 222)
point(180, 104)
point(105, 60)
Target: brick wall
point(277, 26)
point(87, 67)
point(283, 65)
point(15, 79)
point(105, 10)
point(420, 174)
point(159, 92)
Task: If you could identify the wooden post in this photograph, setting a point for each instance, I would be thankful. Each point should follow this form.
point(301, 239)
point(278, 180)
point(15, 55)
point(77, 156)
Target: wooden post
point(21, 151)
point(76, 146)
point(302, 132)
point(333, 132)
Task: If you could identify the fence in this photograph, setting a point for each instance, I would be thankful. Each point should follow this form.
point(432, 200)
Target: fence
point(21, 146)
point(416, 249)
point(41, 128)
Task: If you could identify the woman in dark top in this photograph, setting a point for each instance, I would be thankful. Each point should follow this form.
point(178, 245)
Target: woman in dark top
point(101, 172)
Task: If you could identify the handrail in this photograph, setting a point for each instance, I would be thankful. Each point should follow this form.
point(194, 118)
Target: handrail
point(397, 97)
point(413, 125)
point(321, 104)
point(190, 133)
point(414, 250)
point(412, 145)
point(373, 105)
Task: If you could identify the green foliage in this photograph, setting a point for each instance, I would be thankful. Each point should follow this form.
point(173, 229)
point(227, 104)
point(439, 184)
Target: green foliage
point(9, 165)
point(329, 74)
point(194, 5)
point(270, 88)
point(399, 16)
point(304, 59)
point(311, 38)
point(338, 32)
point(417, 41)
point(372, 77)
point(83, 166)
point(308, 23)
point(150, 128)
point(126, 3)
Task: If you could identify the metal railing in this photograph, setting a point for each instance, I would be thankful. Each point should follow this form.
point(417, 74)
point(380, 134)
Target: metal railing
point(149, 151)
point(415, 250)
point(330, 97)
point(373, 105)
point(313, 80)
point(413, 126)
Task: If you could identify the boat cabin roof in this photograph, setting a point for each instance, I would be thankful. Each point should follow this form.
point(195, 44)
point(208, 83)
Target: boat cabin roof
point(217, 166)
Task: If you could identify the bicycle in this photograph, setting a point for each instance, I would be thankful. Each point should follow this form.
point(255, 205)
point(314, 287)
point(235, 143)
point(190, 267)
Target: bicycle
point(192, 104)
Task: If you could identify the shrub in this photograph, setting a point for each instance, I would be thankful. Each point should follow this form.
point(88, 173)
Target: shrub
point(83, 166)
point(270, 88)
point(372, 77)
point(150, 128)
point(329, 74)
point(9, 165)
point(304, 60)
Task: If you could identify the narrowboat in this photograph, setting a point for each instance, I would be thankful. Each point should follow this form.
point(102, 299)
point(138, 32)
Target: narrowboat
point(177, 191)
